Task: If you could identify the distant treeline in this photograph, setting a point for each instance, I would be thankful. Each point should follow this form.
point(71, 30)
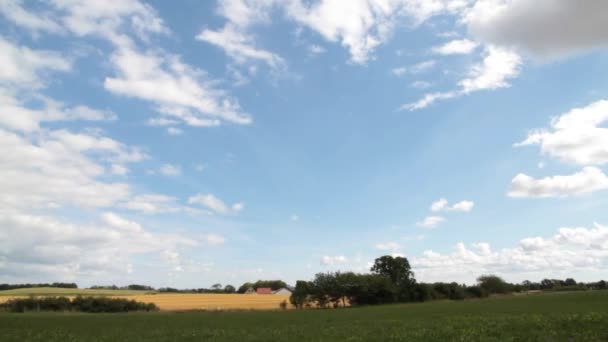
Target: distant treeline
point(25, 286)
point(78, 304)
point(392, 281)
point(215, 288)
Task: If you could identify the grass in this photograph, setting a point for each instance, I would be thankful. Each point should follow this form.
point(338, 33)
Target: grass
point(581, 316)
point(54, 291)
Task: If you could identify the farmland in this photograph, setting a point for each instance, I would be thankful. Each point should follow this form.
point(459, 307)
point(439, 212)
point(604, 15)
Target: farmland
point(165, 301)
point(575, 316)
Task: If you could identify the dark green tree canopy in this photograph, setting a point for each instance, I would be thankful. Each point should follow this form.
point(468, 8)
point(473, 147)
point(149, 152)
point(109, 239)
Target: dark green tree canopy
point(397, 269)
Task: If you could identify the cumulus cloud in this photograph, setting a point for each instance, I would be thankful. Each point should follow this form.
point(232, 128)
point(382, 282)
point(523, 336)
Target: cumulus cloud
point(170, 170)
point(400, 71)
point(570, 250)
point(59, 168)
point(20, 117)
point(430, 222)
point(180, 91)
point(13, 11)
point(575, 137)
point(589, 179)
point(456, 47)
point(443, 205)
point(215, 204)
point(362, 26)
point(388, 246)
point(543, 28)
point(328, 260)
point(51, 247)
point(498, 66)
point(22, 67)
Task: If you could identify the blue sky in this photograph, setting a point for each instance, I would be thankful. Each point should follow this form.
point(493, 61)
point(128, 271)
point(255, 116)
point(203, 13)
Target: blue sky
point(202, 142)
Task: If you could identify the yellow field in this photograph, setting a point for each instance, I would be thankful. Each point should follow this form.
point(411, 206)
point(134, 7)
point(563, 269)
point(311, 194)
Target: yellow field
point(206, 301)
point(177, 301)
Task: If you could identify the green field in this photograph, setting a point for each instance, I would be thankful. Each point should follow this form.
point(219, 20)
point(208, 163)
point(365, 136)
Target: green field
point(55, 291)
point(579, 316)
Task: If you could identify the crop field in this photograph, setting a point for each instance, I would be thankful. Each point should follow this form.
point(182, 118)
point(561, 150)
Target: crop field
point(581, 316)
point(182, 302)
point(165, 301)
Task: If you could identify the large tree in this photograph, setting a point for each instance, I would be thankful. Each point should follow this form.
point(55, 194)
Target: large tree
point(397, 269)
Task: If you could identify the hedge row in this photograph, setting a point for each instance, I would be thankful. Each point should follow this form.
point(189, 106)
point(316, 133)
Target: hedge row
point(78, 304)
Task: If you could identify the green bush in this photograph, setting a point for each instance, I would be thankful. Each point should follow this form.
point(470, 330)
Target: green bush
point(79, 304)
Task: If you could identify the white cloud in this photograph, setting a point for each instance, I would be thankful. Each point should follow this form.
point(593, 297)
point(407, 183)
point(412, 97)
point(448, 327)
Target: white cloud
point(13, 11)
point(153, 204)
point(498, 66)
point(388, 246)
point(590, 179)
point(333, 260)
point(118, 169)
point(107, 19)
point(463, 206)
point(170, 170)
point(214, 239)
point(179, 90)
point(115, 221)
point(294, 217)
point(430, 221)
point(576, 136)
point(421, 84)
point(215, 204)
point(439, 205)
point(19, 117)
point(456, 47)
point(544, 28)
point(22, 67)
point(174, 131)
point(56, 168)
point(400, 71)
point(238, 45)
point(50, 247)
point(570, 250)
point(315, 50)
point(423, 66)
point(363, 25)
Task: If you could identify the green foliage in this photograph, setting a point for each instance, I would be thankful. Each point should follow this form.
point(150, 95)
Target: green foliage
point(493, 284)
point(79, 304)
point(273, 284)
point(4, 287)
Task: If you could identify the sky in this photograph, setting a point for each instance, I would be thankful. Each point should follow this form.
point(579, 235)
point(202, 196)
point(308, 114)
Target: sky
point(190, 143)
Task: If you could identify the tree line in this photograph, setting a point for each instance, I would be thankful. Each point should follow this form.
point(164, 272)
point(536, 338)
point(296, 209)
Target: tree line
point(25, 286)
point(78, 304)
point(391, 280)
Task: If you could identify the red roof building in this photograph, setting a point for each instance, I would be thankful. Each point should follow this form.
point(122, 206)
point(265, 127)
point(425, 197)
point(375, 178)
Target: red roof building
point(264, 290)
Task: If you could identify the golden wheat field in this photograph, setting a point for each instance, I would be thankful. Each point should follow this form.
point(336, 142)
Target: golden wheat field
point(186, 301)
point(177, 302)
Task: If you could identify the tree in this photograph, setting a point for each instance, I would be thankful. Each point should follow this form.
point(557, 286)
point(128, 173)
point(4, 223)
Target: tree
point(299, 296)
point(493, 284)
point(569, 282)
point(216, 287)
point(397, 269)
point(229, 289)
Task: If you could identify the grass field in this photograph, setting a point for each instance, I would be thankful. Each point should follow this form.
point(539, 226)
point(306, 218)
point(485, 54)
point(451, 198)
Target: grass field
point(579, 316)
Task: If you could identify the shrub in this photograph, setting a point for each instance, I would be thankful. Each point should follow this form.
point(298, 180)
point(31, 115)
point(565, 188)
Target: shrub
point(80, 304)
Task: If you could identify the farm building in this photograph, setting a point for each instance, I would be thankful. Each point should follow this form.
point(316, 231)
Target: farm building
point(264, 290)
point(250, 291)
point(283, 291)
